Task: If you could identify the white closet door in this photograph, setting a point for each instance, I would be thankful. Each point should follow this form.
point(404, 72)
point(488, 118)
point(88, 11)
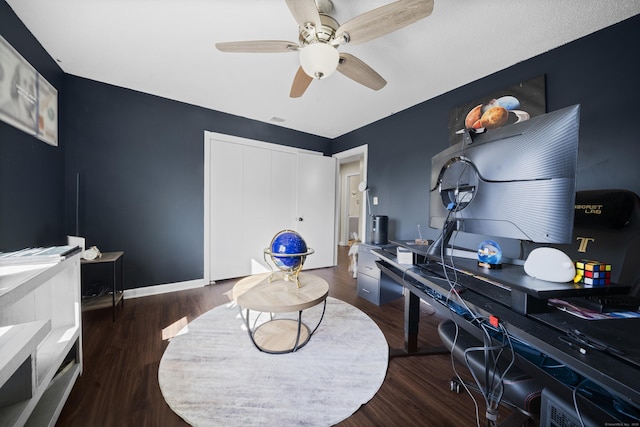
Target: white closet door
point(257, 204)
point(283, 193)
point(256, 191)
point(226, 210)
point(316, 207)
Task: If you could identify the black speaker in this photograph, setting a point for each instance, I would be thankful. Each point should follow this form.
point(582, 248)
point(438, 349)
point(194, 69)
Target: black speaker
point(379, 230)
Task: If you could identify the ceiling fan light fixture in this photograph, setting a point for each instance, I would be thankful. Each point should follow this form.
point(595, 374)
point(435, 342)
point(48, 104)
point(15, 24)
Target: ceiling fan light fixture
point(319, 60)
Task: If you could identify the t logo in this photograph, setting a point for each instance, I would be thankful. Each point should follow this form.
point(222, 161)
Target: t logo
point(584, 241)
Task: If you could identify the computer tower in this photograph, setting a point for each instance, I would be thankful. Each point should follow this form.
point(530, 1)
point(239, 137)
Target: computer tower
point(556, 411)
point(379, 230)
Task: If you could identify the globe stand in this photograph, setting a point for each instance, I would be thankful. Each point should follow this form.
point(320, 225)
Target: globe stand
point(489, 265)
point(288, 274)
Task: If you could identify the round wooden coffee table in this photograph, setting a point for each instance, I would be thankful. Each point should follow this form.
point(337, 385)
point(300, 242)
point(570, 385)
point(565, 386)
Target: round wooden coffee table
point(270, 293)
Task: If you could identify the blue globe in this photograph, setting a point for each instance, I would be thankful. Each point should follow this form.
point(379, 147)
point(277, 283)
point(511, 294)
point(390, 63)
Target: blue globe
point(489, 252)
point(290, 243)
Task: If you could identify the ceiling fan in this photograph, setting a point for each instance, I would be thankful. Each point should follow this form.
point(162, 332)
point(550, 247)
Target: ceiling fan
point(321, 35)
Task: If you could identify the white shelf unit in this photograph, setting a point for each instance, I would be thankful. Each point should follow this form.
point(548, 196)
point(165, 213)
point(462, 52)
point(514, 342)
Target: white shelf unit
point(40, 340)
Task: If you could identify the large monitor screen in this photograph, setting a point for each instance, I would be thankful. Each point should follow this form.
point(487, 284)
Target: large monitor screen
point(515, 182)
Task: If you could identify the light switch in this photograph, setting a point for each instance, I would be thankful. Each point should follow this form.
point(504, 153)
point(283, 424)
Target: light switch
point(375, 200)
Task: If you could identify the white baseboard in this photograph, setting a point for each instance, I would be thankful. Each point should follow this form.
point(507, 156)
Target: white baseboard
point(163, 289)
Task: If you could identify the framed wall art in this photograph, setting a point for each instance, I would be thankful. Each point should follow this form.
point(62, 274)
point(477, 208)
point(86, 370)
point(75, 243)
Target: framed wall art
point(27, 100)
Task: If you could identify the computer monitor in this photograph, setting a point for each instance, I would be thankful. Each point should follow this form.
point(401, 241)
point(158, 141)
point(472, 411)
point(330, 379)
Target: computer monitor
point(516, 182)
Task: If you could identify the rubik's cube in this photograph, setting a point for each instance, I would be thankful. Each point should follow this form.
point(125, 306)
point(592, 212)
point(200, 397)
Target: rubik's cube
point(592, 273)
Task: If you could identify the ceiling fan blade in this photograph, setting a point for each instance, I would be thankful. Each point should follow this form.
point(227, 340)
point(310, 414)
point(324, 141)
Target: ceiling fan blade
point(305, 12)
point(258, 46)
point(300, 83)
point(360, 72)
point(383, 20)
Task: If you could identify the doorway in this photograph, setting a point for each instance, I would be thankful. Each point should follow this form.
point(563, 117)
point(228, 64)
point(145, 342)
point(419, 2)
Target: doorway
point(352, 204)
point(352, 169)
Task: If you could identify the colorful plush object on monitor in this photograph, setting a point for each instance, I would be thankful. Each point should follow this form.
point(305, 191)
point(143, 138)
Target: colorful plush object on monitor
point(592, 273)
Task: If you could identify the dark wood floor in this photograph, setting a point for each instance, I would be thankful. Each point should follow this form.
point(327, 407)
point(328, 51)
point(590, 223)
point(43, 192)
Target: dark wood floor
point(119, 385)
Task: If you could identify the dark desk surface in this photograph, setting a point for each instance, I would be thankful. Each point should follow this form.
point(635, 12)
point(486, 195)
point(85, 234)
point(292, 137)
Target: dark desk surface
point(621, 375)
point(513, 276)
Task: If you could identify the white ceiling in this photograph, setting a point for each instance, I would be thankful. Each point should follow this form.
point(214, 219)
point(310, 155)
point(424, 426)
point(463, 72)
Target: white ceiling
point(166, 48)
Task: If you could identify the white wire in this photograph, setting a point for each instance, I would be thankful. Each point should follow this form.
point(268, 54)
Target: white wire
point(575, 401)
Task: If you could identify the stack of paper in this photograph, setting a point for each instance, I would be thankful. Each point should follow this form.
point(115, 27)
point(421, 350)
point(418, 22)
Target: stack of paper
point(37, 255)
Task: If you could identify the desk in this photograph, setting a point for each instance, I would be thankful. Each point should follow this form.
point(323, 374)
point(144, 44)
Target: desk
point(541, 330)
point(116, 259)
point(267, 294)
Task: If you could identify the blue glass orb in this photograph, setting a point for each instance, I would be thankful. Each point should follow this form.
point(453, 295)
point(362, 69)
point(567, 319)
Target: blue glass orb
point(489, 252)
point(290, 243)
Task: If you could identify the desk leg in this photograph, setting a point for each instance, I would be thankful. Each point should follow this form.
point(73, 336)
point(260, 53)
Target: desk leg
point(411, 322)
point(122, 280)
point(113, 294)
point(411, 327)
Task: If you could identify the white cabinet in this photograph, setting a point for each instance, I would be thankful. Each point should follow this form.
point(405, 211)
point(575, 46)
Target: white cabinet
point(40, 340)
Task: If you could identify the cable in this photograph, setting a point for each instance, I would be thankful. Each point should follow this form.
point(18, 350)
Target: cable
point(493, 389)
point(461, 381)
point(489, 382)
point(423, 273)
point(575, 401)
point(450, 295)
point(494, 354)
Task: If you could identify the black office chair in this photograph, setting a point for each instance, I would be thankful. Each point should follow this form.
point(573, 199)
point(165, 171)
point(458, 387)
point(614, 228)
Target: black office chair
point(606, 229)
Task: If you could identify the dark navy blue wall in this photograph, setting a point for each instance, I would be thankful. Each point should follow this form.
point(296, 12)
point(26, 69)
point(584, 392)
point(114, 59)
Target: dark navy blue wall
point(140, 160)
point(597, 71)
point(31, 172)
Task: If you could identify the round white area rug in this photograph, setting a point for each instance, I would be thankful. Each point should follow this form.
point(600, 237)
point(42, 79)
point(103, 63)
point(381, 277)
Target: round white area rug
point(212, 375)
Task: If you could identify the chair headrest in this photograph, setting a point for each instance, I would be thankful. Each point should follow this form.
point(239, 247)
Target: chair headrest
point(612, 209)
point(606, 228)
